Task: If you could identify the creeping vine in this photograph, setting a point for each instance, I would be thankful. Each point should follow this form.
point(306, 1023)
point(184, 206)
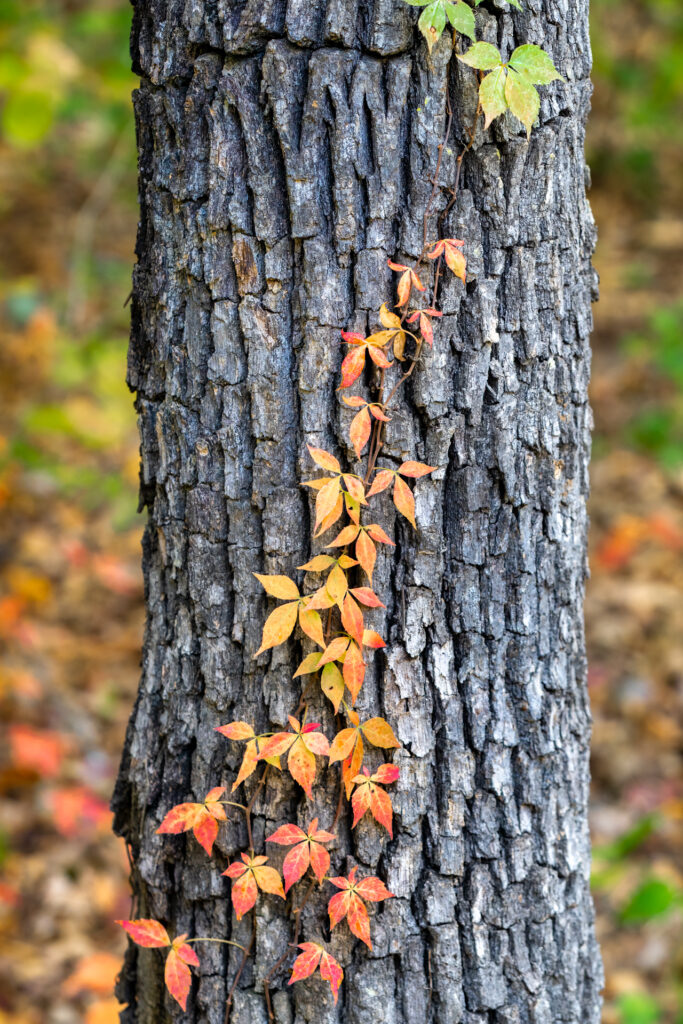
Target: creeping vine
point(338, 664)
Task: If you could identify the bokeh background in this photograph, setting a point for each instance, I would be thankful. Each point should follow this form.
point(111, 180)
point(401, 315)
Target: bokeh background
point(70, 586)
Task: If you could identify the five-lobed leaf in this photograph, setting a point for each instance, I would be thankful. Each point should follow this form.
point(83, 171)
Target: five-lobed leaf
point(202, 819)
point(349, 903)
point(249, 875)
point(315, 955)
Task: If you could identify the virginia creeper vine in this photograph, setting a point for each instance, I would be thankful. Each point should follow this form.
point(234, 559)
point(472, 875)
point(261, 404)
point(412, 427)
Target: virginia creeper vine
point(338, 665)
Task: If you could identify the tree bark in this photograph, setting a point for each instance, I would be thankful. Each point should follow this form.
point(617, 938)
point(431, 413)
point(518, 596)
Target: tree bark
point(286, 151)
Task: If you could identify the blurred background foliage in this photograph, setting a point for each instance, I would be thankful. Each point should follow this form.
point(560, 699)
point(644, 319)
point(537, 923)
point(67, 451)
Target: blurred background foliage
point(70, 591)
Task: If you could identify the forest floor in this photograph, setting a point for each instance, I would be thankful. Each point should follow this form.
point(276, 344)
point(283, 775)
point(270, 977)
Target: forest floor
point(71, 609)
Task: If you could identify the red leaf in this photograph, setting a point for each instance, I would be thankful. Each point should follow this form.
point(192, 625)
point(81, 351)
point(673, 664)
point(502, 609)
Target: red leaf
point(146, 932)
point(287, 835)
point(367, 597)
point(178, 978)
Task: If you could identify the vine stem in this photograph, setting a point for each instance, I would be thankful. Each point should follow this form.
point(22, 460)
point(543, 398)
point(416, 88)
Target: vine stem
point(296, 913)
point(206, 938)
point(376, 444)
point(245, 957)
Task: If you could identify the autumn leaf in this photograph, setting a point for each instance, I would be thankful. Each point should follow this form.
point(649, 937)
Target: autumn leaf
point(352, 619)
point(278, 586)
point(202, 819)
point(455, 261)
point(381, 481)
point(146, 932)
point(248, 877)
point(302, 745)
point(392, 321)
point(324, 459)
point(415, 469)
point(307, 849)
point(359, 431)
point(353, 670)
point(347, 745)
point(332, 684)
point(407, 281)
point(177, 973)
point(349, 903)
point(404, 500)
point(369, 796)
point(243, 731)
point(353, 363)
point(278, 626)
point(306, 962)
point(150, 933)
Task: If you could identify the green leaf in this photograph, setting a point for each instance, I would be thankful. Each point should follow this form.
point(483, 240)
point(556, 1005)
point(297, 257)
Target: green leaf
point(418, 3)
point(461, 17)
point(534, 64)
point(653, 898)
point(492, 95)
point(432, 22)
point(522, 99)
point(483, 56)
point(515, 3)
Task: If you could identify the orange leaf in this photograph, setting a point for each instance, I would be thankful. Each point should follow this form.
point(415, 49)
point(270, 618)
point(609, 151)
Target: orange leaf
point(352, 619)
point(342, 744)
point(354, 671)
point(352, 366)
point(310, 623)
point(380, 733)
point(383, 478)
point(278, 626)
point(326, 502)
point(367, 597)
point(334, 650)
point(324, 459)
point(236, 731)
point(248, 766)
point(318, 564)
point(359, 430)
point(337, 585)
point(301, 765)
point(415, 469)
point(404, 500)
point(279, 586)
point(366, 553)
point(306, 963)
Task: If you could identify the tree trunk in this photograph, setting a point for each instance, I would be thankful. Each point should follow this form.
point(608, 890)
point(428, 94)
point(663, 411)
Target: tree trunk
point(286, 151)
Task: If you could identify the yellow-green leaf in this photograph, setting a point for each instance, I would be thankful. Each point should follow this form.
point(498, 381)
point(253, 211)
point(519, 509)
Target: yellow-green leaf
point(522, 99)
point(492, 95)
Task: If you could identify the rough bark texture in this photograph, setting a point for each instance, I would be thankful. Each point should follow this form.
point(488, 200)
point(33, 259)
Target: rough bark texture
point(285, 152)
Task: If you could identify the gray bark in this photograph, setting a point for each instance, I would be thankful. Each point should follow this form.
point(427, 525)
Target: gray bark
point(285, 151)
